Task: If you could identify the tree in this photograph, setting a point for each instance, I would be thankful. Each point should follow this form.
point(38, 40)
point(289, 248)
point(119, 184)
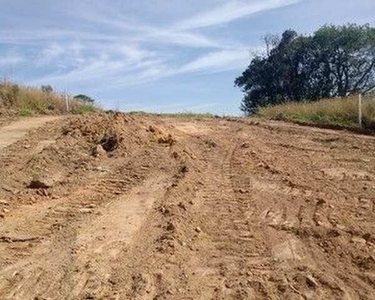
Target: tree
point(334, 61)
point(47, 89)
point(84, 99)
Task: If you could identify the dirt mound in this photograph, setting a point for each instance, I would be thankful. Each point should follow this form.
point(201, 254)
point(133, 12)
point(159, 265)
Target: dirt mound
point(61, 155)
point(111, 131)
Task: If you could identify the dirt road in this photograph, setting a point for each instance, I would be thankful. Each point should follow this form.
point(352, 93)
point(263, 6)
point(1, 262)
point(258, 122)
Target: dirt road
point(16, 130)
point(122, 207)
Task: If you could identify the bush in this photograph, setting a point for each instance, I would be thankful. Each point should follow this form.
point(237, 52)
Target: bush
point(82, 109)
point(25, 113)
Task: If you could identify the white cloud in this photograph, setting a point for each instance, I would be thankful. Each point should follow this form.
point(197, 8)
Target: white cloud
point(94, 71)
point(116, 51)
point(145, 33)
point(218, 61)
point(50, 54)
point(212, 62)
point(230, 11)
point(135, 52)
point(11, 60)
point(52, 34)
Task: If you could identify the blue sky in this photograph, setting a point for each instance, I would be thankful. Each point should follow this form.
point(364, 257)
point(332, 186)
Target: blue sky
point(155, 55)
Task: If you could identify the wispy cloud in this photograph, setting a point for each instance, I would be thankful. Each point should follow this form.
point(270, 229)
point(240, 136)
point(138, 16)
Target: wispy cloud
point(218, 61)
point(50, 54)
point(231, 11)
point(115, 50)
point(11, 60)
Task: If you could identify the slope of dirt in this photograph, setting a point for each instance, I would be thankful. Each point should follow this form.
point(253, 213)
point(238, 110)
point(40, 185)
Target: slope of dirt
point(120, 207)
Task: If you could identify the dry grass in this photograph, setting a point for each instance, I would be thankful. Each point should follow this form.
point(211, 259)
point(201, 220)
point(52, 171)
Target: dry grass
point(326, 112)
point(28, 101)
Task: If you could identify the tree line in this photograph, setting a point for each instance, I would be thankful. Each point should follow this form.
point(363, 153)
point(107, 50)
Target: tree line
point(334, 61)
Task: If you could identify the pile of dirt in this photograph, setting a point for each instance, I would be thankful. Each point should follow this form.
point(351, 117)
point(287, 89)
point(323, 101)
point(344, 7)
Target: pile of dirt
point(66, 154)
point(111, 131)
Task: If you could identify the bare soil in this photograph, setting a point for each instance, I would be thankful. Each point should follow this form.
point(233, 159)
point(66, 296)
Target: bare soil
point(124, 207)
point(14, 131)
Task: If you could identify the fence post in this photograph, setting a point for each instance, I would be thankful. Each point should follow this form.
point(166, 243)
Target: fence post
point(67, 103)
point(360, 110)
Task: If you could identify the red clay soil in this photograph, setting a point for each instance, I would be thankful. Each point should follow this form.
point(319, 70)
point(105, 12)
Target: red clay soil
point(121, 207)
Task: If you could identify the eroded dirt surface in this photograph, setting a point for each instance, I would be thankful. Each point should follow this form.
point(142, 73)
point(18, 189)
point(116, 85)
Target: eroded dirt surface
point(122, 207)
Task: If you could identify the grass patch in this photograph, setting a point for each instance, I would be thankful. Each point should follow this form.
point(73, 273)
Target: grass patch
point(84, 109)
point(24, 112)
point(28, 101)
point(327, 112)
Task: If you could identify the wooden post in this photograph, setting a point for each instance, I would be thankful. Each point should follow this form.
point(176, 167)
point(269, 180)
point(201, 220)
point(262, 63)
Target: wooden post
point(360, 111)
point(67, 103)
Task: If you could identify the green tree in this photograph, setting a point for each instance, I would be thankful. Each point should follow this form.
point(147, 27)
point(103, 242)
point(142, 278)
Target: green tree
point(334, 61)
point(84, 99)
point(47, 89)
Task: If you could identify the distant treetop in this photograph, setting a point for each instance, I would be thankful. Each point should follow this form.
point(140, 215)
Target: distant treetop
point(84, 99)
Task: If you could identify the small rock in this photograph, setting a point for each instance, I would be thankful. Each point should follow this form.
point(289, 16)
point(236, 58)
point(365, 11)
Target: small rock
point(2, 215)
point(171, 227)
point(211, 143)
point(3, 202)
point(358, 240)
point(152, 129)
point(85, 210)
point(91, 205)
point(7, 189)
point(367, 236)
point(39, 184)
point(164, 210)
point(98, 151)
point(242, 191)
point(198, 229)
point(184, 169)
point(101, 169)
point(5, 210)
point(311, 281)
point(43, 192)
point(181, 205)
